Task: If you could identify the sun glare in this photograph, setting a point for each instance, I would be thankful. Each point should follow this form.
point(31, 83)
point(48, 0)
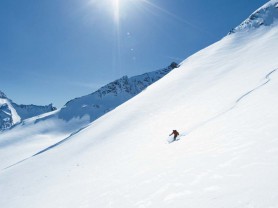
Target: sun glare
point(116, 10)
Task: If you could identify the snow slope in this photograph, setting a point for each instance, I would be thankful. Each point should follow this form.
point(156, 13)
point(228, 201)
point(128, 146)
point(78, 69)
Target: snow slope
point(222, 100)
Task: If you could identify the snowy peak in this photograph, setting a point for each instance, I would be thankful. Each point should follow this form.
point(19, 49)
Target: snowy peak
point(28, 111)
point(266, 15)
point(136, 84)
point(12, 113)
point(114, 88)
point(139, 83)
point(111, 95)
point(2, 94)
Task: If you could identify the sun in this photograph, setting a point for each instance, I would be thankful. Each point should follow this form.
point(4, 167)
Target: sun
point(116, 9)
point(111, 6)
point(120, 6)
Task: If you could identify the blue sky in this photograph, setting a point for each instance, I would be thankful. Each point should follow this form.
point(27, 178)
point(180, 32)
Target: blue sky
point(52, 51)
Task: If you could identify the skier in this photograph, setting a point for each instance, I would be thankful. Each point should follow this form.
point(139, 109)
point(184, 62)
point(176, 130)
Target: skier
point(176, 134)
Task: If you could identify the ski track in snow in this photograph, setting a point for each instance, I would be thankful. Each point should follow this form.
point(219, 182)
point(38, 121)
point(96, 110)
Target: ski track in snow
point(267, 77)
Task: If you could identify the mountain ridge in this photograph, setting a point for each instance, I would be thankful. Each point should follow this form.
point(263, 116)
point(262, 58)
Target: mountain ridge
point(264, 16)
point(2, 94)
point(12, 113)
point(111, 95)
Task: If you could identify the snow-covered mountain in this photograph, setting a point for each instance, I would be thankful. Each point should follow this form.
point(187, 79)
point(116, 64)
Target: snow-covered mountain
point(223, 102)
point(43, 130)
point(111, 95)
point(12, 113)
point(266, 16)
point(91, 106)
